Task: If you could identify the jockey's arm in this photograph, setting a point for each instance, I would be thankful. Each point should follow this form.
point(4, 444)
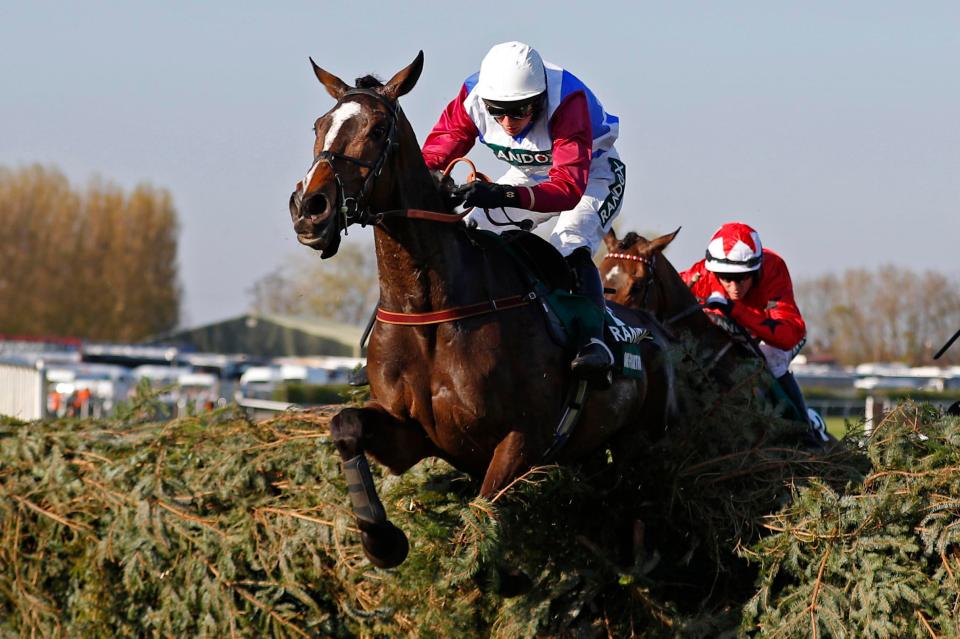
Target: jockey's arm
point(452, 136)
point(572, 137)
point(780, 324)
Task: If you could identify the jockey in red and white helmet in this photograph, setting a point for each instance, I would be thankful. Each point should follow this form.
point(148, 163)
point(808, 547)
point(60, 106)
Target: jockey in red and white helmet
point(557, 141)
point(751, 285)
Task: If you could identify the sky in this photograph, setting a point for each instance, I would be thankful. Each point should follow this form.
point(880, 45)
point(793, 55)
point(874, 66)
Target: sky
point(832, 128)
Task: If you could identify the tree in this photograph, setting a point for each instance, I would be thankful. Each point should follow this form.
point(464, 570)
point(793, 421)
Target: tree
point(889, 314)
point(343, 289)
point(98, 264)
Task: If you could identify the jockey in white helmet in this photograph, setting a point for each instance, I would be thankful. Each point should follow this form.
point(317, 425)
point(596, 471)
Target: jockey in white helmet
point(554, 134)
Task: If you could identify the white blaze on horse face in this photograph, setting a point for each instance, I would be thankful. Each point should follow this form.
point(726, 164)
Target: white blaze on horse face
point(614, 273)
point(346, 111)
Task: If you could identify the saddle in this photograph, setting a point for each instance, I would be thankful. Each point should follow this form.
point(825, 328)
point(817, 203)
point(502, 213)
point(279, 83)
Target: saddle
point(568, 315)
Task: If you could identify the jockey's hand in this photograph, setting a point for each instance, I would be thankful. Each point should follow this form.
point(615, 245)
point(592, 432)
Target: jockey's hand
point(488, 195)
point(719, 302)
point(449, 191)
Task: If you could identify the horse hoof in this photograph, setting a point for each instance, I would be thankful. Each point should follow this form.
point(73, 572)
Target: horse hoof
point(385, 545)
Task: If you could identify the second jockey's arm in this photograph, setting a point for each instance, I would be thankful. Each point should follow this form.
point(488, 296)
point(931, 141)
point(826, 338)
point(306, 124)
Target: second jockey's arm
point(781, 325)
point(452, 136)
point(572, 137)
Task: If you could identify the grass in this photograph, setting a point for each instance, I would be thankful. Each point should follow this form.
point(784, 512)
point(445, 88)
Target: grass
point(838, 426)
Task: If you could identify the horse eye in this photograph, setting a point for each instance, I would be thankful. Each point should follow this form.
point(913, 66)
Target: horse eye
point(378, 131)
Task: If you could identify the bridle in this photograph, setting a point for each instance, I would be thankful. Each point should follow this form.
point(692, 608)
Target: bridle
point(649, 262)
point(353, 209)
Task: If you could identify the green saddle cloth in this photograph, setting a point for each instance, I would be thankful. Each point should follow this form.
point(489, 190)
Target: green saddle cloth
point(575, 317)
point(580, 317)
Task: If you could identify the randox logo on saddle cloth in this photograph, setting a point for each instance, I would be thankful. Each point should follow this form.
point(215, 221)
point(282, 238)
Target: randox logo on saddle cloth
point(577, 314)
point(521, 157)
point(624, 341)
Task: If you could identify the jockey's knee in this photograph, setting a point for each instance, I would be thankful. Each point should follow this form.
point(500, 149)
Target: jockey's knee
point(778, 360)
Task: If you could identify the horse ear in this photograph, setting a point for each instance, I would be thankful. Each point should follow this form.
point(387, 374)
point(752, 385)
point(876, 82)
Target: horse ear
point(610, 239)
point(404, 80)
point(334, 85)
point(657, 245)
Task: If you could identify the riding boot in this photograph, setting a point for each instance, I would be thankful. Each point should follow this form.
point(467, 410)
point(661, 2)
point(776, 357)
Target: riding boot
point(818, 431)
point(594, 360)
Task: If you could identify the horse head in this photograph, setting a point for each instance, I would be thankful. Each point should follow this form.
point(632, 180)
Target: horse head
point(354, 143)
point(629, 270)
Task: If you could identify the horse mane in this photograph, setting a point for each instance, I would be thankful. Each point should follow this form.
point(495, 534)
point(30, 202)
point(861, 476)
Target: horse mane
point(629, 240)
point(368, 82)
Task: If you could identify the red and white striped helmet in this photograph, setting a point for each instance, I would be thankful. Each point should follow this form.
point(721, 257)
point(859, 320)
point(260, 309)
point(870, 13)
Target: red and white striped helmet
point(734, 248)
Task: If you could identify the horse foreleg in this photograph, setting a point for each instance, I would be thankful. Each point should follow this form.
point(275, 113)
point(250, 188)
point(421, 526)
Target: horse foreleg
point(511, 457)
point(353, 430)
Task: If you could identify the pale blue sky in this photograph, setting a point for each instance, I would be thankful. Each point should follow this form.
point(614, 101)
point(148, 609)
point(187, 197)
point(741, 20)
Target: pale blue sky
point(833, 128)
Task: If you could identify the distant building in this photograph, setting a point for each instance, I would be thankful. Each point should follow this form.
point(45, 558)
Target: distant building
point(267, 336)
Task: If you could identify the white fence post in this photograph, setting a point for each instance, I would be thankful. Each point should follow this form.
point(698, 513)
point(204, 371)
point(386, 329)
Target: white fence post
point(872, 412)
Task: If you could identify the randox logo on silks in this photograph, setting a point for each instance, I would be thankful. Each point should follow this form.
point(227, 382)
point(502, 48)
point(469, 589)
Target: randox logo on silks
point(521, 157)
point(612, 202)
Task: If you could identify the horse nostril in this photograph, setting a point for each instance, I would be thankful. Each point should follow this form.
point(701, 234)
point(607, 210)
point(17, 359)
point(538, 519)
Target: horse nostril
point(314, 206)
point(295, 202)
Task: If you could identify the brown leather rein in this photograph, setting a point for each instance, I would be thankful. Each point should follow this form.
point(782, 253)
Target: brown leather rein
point(458, 312)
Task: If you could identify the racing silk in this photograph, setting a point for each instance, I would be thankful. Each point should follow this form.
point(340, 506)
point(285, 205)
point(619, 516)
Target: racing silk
point(556, 149)
point(769, 310)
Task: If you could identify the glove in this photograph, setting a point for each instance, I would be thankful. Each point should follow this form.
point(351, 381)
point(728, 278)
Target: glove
point(448, 190)
point(488, 195)
point(719, 302)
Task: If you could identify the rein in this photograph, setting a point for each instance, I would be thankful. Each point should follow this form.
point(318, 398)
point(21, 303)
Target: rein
point(353, 209)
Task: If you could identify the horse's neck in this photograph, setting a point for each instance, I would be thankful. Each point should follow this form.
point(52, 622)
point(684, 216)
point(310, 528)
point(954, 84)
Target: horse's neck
point(681, 302)
point(677, 297)
point(415, 258)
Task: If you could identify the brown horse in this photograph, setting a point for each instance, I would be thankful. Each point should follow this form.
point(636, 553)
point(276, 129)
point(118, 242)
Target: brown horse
point(460, 364)
point(637, 275)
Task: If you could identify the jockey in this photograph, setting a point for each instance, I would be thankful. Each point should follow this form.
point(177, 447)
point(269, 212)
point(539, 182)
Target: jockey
point(553, 133)
point(751, 285)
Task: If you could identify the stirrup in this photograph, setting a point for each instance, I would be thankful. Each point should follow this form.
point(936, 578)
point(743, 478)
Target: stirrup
point(600, 375)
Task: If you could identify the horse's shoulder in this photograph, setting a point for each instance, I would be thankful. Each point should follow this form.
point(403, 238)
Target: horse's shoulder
point(531, 253)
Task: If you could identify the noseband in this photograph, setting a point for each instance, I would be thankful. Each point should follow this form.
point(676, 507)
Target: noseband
point(351, 209)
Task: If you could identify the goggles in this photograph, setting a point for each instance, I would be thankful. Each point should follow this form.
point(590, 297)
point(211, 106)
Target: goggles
point(734, 277)
point(516, 111)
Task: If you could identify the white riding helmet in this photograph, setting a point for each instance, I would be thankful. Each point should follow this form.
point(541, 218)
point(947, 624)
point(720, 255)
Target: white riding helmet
point(734, 248)
point(511, 71)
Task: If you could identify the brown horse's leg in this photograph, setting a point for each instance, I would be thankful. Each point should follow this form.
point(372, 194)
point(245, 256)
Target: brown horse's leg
point(511, 457)
point(397, 446)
